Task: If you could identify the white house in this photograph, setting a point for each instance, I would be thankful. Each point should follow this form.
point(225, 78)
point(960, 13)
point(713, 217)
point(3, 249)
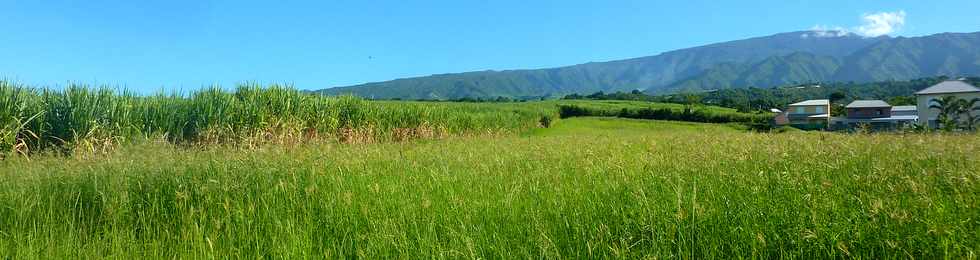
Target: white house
point(925, 97)
point(905, 111)
point(809, 115)
point(877, 114)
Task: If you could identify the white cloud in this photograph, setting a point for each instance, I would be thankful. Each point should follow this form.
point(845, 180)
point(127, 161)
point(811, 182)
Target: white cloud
point(878, 24)
point(821, 31)
point(873, 25)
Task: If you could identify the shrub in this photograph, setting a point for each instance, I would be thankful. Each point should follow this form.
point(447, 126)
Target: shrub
point(545, 121)
point(702, 114)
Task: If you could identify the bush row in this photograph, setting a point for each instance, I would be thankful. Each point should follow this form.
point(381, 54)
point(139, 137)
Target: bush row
point(688, 114)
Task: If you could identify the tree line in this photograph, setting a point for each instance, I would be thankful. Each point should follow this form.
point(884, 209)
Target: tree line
point(754, 99)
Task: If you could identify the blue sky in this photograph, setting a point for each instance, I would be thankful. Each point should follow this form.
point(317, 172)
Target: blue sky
point(153, 45)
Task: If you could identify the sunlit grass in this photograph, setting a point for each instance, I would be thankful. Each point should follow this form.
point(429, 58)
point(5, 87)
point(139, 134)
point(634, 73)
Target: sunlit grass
point(97, 119)
point(586, 188)
point(87, 119)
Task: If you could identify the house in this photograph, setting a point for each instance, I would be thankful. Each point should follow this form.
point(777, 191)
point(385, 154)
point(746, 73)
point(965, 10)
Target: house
point(926, 97)
point(868, 109)
point(780, 118)
point(876, 114)
point(905, 111)
point(905, 116)
point(809, 115)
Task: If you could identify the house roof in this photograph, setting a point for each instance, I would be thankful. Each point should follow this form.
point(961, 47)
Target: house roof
point(815, 102)
point(880, 119)
point(868, 104)
point(904, 108)
point(897, 118)
point(819, 116)
point(949, 86)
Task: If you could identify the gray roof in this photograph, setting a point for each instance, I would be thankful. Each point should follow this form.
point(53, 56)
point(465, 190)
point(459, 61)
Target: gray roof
point(815, 102)
point(819, 116)
point(904, 108)
point(880, 119)
point(897, 118)
point(868, 104)
point(949, 86)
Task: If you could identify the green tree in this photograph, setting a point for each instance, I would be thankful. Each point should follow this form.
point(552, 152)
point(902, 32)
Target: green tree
point(837, 109)
point(902, 101)
point(691, 100)
point(949, 109)
point(837, 96)
point(967, 107)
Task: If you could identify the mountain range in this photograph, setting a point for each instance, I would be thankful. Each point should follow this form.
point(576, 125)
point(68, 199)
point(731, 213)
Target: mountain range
point(780, 59)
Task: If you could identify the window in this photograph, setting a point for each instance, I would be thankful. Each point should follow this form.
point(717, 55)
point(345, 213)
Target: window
point(820, 110)
point(800, 110)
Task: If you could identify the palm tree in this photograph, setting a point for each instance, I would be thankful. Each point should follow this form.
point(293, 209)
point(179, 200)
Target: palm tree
point(949, 110)
point(967, 107)
point(976, 121)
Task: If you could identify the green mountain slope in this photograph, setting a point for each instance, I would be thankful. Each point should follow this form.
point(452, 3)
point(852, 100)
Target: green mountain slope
point(654, 72)
point(775, 60)
point(950, 54)
point(953, 54)
point(795, 68)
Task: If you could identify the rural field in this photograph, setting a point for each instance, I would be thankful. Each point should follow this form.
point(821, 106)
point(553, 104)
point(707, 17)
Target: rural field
point(270, 172)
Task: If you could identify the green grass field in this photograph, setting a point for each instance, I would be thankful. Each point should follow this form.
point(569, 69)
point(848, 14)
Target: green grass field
point(584, 188)
point(84, 119)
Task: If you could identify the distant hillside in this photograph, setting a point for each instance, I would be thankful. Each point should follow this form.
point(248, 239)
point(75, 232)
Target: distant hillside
point(773, 71)
point(780, 59)
point(953, 54)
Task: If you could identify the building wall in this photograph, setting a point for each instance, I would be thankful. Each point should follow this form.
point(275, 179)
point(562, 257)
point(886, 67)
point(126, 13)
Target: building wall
point(798, 116)
point(809, 110)
point(905, 113)
point(781, 119)
point(927, 115)
point(869, 112)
